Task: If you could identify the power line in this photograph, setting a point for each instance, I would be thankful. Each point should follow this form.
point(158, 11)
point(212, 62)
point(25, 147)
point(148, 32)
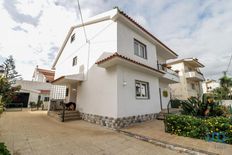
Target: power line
point(82, 22)
point(229, 64)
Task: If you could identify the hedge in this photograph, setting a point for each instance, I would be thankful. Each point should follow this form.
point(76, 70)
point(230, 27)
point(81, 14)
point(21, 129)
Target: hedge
point(190, 126)
point(3, 149)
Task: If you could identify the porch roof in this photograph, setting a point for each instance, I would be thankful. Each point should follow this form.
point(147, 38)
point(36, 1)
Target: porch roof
point(68, 79)
point(117, 59)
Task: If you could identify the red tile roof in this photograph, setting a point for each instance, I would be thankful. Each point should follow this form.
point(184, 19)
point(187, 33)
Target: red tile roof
point(62, 77)
point(49, 74)
point(128, 59)
point(45, 91)
point(143, 29)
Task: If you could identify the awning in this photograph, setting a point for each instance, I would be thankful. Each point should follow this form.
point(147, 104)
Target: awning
point(69, 79)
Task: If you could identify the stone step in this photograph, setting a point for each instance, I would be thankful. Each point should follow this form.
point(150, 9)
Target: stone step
point(69, 118)
point(69, 114)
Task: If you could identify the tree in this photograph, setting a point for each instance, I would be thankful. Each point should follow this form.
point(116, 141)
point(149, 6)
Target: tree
point(225, 81)
point(9, 67)
point(7, 92)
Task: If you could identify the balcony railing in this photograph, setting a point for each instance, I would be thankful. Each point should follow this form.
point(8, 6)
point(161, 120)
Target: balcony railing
point(166, 70)
point(195, 75)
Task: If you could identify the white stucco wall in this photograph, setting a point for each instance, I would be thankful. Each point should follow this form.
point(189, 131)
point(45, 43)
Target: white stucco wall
point(128, 105)
point(98, 95)
point(125, 40)
point(103, 39)
point(164, 87)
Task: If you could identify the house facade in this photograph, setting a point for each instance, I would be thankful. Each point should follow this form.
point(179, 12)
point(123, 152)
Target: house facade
point(39, 88)
point(191, 78)
point(114, 74)
point(209, 85)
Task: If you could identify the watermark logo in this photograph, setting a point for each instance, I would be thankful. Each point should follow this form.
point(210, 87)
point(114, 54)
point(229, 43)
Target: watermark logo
point(216, 137)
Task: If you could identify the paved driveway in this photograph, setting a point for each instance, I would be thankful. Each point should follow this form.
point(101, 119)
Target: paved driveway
point(35, 133)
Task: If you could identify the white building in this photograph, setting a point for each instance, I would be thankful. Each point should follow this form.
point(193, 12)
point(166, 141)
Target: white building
point(209, 85)
point(39, 89)
point(114, 77)
point(191, 78)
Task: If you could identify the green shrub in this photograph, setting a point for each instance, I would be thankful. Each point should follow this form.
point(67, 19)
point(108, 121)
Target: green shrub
point(175, 103)
point(190, 126)
point(3, 150)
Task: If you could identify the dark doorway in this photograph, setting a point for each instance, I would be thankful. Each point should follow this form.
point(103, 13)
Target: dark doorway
point(19, 99)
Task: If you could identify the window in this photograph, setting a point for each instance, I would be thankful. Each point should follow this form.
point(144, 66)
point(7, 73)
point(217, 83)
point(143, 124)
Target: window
point(140, 49)
point(72, 38)
point(74, 61)
point(142, 90)
point(193, 86)
point(46, 99)
point(66, 92)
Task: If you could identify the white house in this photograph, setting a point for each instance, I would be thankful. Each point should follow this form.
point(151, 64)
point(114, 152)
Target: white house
point(209, 85)
point(115, 76)
point(37, 89)
point(191, 78)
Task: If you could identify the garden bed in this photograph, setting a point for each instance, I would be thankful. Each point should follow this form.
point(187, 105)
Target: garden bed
point(218, 129)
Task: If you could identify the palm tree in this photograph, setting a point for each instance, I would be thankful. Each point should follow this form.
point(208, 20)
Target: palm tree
point(225, 89)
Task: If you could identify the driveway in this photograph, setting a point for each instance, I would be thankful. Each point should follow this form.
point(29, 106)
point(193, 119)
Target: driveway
point(35, 133)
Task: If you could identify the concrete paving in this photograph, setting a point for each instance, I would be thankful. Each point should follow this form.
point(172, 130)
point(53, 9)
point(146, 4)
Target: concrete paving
point(34, 133)
point(155, 130)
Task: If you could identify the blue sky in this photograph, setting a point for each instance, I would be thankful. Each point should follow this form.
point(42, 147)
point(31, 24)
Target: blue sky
point(33, 31)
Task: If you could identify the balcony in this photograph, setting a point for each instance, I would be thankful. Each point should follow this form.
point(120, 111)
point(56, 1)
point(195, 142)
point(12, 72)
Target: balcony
point(194, 75)
point(170, 75)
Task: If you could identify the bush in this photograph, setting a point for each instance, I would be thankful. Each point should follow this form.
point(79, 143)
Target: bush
point(3, 149)
point(175, 103)
point(194, 127)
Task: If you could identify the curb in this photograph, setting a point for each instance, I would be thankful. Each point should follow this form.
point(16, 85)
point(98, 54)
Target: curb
point(170, 146)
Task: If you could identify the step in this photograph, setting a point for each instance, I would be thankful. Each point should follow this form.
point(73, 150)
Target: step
point(70, 118)
point(70, 114)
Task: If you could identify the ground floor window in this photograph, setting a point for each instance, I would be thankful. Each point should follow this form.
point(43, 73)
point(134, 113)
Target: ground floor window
point(46, 99)
point(142, 89)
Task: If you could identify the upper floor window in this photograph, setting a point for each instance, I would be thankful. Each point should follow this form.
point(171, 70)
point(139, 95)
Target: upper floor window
point(72, 38)
point(193, 86)
point(74, 61)
point(142, 90)
point(140, 49)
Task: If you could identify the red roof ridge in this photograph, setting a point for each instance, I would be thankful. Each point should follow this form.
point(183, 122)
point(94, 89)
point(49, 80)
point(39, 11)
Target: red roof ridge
point(146, 31)
point(116, 54)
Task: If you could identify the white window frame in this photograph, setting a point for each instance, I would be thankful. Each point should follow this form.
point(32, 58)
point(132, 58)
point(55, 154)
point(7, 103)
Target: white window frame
point(74, 61)
point(146, 90)
point(73, 37)
point(138, 50)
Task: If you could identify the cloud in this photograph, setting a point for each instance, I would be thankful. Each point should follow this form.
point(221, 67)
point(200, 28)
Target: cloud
point(33, 31)
point(18, 28)
point(11, 8)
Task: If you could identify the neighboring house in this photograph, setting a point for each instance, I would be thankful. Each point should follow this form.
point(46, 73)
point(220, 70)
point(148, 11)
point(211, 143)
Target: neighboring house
point(191, 78)
point(209, 85)
point(115, 77)
point(43, 75)
point(32, 91)
point(39, 88)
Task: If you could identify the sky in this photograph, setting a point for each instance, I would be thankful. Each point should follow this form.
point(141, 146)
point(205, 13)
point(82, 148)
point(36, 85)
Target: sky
point(33, 31)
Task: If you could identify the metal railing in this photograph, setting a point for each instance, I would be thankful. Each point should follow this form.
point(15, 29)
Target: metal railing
point(14, 106)
point(161, 67)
